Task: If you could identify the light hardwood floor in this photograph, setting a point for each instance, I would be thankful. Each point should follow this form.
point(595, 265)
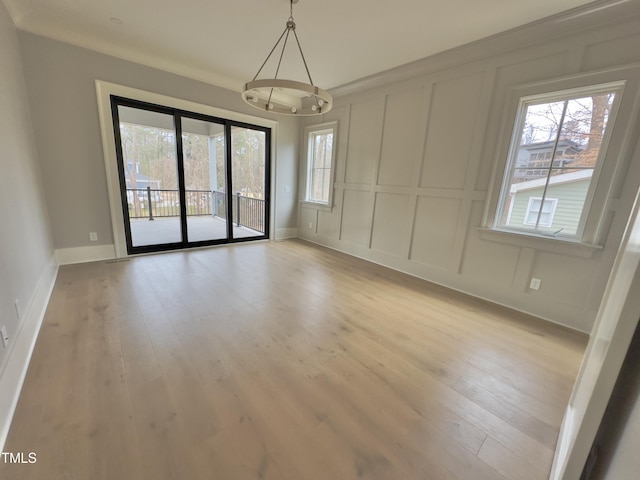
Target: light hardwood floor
point(285, 361)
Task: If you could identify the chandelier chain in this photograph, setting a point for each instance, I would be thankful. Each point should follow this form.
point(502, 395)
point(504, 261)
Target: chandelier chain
point(286, 29)
point(284, 45)
point(304, 60)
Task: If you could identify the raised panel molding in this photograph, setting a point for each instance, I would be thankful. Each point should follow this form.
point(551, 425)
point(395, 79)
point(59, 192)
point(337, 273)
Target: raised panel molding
point(390, 224)
point(444, 190)
point(356, 217)
point(400, 137)
point(363, 143)
point(434, 231)
point(487, 261)
point(454, 111)
point(329, 223)
point(308, 222)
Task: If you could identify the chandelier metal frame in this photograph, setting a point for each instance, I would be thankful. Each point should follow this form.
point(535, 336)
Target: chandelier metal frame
point(287, 97)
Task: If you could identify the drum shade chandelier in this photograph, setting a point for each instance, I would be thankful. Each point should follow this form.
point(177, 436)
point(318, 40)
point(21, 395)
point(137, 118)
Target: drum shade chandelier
point(287, 97)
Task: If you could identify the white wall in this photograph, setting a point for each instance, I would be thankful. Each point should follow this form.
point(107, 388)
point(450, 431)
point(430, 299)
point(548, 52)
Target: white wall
point(26, 252)
point(61, 84)
point(416, 150)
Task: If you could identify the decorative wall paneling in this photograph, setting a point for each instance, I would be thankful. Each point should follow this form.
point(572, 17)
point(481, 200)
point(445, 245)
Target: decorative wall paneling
point(415, 163)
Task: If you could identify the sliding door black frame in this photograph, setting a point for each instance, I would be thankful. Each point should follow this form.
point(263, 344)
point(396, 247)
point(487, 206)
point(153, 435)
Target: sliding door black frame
point(178, 115)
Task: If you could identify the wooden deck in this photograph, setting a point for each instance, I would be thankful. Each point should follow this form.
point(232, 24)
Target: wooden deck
point(285, 361)
point(167, 230)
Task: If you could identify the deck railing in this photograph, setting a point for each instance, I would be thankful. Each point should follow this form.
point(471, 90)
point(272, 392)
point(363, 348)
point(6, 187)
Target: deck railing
point(155, 203)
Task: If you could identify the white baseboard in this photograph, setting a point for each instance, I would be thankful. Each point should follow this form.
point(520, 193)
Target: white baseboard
point(67, 256)
point(15, 368)
point(286, 233)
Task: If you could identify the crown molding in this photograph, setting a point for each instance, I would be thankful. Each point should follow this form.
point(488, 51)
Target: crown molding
point(567, 23)
point(571, 22)
point(147, 58)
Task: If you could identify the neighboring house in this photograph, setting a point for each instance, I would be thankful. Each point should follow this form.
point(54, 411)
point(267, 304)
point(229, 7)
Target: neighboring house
point(142, 182)
point(532, 152)
point(534, 157)
point(563, 202)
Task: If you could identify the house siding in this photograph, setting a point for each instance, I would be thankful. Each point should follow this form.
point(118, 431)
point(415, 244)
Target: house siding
point(571, 197)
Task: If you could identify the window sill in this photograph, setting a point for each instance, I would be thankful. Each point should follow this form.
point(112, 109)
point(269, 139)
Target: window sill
point(319, 206)
point(559, 245)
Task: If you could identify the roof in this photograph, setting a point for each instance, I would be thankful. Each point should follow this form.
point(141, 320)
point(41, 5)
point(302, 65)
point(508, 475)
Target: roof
point(550, 143)
point(554, 180)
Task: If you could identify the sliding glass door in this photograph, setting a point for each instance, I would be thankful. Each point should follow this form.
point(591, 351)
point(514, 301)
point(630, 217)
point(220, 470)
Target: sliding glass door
point(188, 179)
point(248, 148)
point(203, 153)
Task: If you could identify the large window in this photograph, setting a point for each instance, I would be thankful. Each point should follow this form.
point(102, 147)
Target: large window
point(320, 141)
point(189, 179)
point(557, 148)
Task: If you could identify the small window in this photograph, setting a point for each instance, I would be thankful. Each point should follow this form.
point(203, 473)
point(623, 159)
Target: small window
point(534, 216)
point(320, 141)
point(557, 146)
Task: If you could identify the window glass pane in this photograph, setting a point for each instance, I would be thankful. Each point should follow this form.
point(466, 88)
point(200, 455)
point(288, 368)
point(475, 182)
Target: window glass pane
point(582, 131)
point(317, 188)
point(532, 214)
point(555, 159)
point(319, 166)
point(150, 171)
point(204, 152)
point(541, 125)
point(248, 182)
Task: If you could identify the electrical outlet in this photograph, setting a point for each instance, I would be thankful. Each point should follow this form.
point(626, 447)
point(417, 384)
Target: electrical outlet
point(535, 284)
point(310, 225)
point(287, 189)
point(93, 236)
point(16, 305)
point(5, 336)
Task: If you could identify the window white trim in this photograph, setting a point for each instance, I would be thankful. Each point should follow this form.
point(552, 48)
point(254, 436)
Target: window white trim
point(310, 132)
point(541, 242)
point(562, 95)
point(617, 150)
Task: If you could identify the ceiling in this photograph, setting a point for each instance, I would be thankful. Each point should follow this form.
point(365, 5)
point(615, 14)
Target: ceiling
point(224, 42)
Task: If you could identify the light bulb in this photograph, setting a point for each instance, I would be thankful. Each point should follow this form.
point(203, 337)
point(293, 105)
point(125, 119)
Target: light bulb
point(270, 106)
point(321, 102)
point(314, 108)
point(294, 109)
point(255, 99)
